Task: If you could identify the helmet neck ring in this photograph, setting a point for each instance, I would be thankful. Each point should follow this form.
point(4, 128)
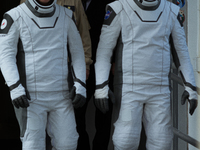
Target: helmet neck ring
point(148, 4)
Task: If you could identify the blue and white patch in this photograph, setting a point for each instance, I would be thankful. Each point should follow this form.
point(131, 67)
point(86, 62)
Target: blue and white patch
point(180, 3)
point(107, 15)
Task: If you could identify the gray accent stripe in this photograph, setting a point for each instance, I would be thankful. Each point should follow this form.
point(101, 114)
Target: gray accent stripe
point(187, 83)
point(145, 20)
point(174, 53)
point(21, 115)
point(118, 61)
point(70, 72)
point(45, 27)
point(191, 86)
point(118, 78)
point(21, 66)
point(100, 86)
point(79, 81)
point(12, 87)
point(76, 79)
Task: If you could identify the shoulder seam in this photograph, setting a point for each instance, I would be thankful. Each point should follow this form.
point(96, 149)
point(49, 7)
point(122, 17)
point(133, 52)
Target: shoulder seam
point(174, 9)
point(67, 12)
point(116, 6)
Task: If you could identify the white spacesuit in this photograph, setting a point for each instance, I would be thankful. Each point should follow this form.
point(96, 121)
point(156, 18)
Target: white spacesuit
point(36, 42)
point(142, 69)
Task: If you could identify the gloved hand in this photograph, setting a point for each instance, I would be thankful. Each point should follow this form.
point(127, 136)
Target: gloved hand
point(102, 97)
point(19, 96)
point(21, 101)
point(191, 96)
point(78, 100)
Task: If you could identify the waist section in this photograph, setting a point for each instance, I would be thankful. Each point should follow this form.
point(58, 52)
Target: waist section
point(49, 96)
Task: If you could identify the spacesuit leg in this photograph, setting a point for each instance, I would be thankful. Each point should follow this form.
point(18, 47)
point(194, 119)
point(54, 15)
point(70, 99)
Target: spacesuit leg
point(32, 125)
point(157, 121)
point(128, 126)
point(61, 126)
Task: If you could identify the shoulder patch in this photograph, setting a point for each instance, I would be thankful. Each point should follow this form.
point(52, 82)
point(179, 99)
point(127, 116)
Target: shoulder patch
point(109, 16)
point(180, 3)
point(181, 18)
point(70, 7)
point(6, 24)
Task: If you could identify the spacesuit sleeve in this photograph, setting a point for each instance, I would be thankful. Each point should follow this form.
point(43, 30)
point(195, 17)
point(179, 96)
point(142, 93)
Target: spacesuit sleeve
point(109, 34)
point(77, 58)
point(181, 55)
point(9, 36)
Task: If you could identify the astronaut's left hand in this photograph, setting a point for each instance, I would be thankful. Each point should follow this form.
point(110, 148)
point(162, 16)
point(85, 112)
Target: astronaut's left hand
point(78, 100)
point(191, 96)
point(102, 96)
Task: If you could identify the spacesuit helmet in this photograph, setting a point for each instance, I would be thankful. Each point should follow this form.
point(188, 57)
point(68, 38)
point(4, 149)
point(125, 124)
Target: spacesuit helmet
point(148, 4)
point(41, 7)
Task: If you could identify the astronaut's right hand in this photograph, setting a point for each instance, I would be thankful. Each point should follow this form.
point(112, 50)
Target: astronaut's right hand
point(102, 97)
point(78, 100)
point(19, 96)
point(21, 101)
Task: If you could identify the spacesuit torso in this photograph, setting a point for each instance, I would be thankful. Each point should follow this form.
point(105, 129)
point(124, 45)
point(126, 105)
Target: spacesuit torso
point(51, 71)
point(142, 67)
point(146, 58)
point(36, 41)
point(142, 59)
point(42, 56)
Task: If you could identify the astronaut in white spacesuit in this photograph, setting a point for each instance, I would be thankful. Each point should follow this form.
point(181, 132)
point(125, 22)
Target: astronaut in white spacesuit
point(142, 68)
point(36, 39)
